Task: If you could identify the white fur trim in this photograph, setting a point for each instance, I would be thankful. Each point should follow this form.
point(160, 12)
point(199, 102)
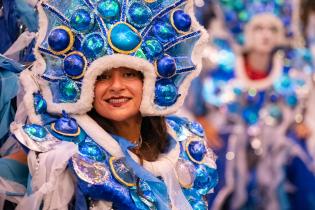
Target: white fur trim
point(262, 84)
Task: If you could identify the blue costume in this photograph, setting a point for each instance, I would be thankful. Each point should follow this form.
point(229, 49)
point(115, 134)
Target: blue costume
point(73, 162)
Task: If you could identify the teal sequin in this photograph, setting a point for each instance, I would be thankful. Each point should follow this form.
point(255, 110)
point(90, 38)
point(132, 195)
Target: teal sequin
point(139, 15)
point(69, 90)
point(206, 179)
point(35, 132)
point(152, 48)
point(81, 20)
point(164, 31)
point(124, 38)
point(94, 46)
point(109, 10)
point(92, 151)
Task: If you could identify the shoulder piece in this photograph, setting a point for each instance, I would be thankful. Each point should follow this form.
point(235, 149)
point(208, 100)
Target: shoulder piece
point(34, 137)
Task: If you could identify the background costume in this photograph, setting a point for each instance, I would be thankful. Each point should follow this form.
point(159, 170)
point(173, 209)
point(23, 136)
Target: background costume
point(79, 40)
point(254, 116)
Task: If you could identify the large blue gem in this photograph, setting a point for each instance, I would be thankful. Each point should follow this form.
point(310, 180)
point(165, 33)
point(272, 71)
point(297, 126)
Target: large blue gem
point(92, 151)
point(291, 100)
point(39, 103)
point(124, 39)
point(197, 150)
point(74, 64)
point(58, 39)
point(181, 20)
point(206, 179)
point(69, 90)
point(164, 31)
point(196, 128)
point(66, 125)
point(166, 66)
point(152, 48)
point(109, 10)
point(165, 92)
point(139, 14)
point(81, 20)
point(36, 132)
point(94, 45)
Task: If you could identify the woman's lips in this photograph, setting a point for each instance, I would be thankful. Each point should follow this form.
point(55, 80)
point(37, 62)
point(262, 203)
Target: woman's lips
point(118, 102)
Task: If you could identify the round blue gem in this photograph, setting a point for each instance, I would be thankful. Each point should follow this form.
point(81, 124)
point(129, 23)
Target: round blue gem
point(250, 115)
point(74, 64)
point(165, 92)
point(36, 132)
point(109, 10)
point(39, 103)
point(139, 14)
point(66, 125)
point(166, 66)
point(275, 112)
point(197, 150)
point(181, 20)
point(206, 179)
point(81, 20)
point(291, 100)
point(58, 39)
point(152, 48)
point(196, 128)
point(92, 151)
point(93, 45)
point(163, 31)
point(124, 38)
point(68, 89)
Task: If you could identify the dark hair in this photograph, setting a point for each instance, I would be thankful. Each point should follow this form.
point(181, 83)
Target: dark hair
point(307, 7)
point(153, 133)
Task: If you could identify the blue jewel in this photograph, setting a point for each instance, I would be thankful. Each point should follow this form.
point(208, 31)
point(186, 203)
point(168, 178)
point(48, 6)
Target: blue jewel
point(152, 48)
point(82, 20)
point(92, 151)
point(196, 150)
point(69, 90)
point(35, 132)
point(250, 115)
point(206, 179)
point(109, 10)
point(163, 31)
point(60, 40)
point(165, 92)
point(94, 45)
point(66, 126)
point(40, 104)
point(181, 20)
point(291, 100)
point(74, 65)
point(196, 128)
point(139, 14)
point(166, 66)
point(124, 38)
point(284, 85)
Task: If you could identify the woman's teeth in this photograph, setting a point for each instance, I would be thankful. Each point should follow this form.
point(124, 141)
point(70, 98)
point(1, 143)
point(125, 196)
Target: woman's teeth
point(119, 100)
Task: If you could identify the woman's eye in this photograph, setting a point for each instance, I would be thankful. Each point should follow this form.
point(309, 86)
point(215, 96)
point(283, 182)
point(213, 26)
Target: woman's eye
point(103, 77)
point(130, 74)
point(274, 29)
point(258, 28)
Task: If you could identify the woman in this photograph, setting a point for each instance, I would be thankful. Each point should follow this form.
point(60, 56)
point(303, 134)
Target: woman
point(106, 73)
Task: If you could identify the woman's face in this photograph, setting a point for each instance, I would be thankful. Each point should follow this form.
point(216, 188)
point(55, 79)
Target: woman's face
point(118, 94)
point(265, 33)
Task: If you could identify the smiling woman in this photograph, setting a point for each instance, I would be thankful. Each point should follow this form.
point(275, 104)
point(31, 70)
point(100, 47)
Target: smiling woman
point(106, 74)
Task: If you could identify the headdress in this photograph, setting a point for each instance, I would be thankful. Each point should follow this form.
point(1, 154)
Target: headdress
point(80, 39)
point(238, 13)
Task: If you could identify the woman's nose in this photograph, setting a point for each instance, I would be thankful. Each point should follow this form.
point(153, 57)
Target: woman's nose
point(117, 83)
